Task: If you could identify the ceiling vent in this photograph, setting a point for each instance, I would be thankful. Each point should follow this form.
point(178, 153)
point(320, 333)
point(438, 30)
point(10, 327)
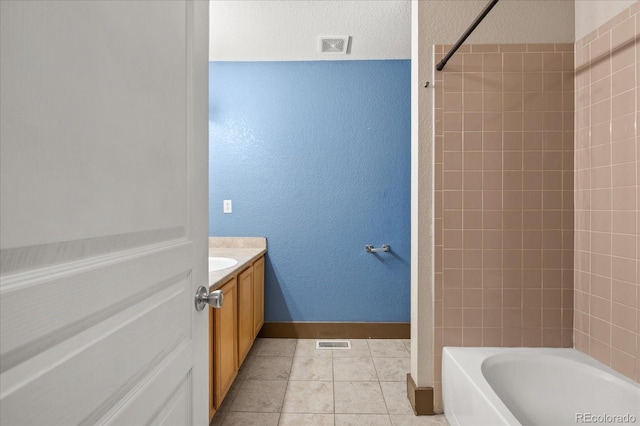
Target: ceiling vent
point(338, 44)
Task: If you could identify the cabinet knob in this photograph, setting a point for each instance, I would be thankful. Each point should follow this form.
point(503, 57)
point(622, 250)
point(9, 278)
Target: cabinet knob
point(213, 299)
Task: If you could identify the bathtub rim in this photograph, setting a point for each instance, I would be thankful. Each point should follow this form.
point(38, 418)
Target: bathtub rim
point(473, 358)
point(481, 388)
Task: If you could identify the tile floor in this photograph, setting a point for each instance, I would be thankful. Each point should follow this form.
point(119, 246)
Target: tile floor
point(289, 382)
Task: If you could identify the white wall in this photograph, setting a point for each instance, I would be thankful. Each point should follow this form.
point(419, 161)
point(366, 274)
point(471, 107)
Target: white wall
point(244, 30)
point(443, 21)
point(590, 14)
point(510, 21)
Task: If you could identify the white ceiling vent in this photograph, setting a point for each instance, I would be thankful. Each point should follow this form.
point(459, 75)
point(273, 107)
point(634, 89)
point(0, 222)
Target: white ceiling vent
point(336, 44)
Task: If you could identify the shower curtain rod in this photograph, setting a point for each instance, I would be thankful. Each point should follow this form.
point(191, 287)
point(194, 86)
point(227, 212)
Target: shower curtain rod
point(466, 34)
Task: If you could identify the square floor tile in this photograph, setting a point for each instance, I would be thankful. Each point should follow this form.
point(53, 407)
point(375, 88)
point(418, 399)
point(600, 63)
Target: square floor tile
point(266, 368)
point(251, 419)
point(362, 420)
point(254, 348)
point(354, 369)
point(359, 398)
point(311, 368)
point(260, 396)
point(395, 395)
point(308, 397)
point(359, 347)
point(307, 348)
point(231, 395)
point(218, 418)
point(392, 369)
point(412, 420)
point(276, 347)
point(363, 386)
point(295, 419)
point(388, 348)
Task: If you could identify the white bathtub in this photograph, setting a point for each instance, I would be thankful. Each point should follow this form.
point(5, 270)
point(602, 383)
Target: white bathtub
point(534, 386)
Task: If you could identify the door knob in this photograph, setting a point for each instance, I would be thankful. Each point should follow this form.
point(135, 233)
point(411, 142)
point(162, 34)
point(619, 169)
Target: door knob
point(203, 297)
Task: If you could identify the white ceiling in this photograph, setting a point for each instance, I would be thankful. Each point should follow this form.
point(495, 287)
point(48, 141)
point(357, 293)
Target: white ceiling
point(288, 30)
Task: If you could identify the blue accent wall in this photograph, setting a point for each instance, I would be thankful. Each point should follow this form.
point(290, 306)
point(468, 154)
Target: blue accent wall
point(316, 157)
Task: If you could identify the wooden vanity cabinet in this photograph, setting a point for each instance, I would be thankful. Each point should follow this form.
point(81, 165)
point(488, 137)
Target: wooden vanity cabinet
point(258, 296)
point(250, 306)
point(233, 329)
point(245, 313)
point(223, 323)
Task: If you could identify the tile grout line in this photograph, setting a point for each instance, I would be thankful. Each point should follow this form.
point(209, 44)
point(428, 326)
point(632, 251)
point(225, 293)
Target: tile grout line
point(308, 413)
point(333, 388)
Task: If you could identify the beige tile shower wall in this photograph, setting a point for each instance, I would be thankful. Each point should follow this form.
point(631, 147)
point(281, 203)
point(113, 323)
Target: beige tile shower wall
point(607, 242)
point(504, 117)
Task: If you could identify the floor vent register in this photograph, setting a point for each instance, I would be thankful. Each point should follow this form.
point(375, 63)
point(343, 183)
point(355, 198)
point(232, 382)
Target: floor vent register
point(333, 344)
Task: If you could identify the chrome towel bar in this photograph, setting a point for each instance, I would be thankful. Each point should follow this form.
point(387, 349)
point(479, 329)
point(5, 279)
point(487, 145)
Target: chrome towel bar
point(372, 249)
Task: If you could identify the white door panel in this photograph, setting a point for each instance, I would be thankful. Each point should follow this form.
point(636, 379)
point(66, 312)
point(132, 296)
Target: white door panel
point(89, 372)
point(103, 212)
point(77, 299)
point(96, 94)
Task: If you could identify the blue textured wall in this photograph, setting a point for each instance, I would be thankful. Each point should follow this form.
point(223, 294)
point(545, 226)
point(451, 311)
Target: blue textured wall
point(316, 157)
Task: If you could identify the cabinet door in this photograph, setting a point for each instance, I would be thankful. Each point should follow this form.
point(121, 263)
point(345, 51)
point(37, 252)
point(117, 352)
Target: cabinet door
point(258, 295)
point(245, 313)
point(225, 355)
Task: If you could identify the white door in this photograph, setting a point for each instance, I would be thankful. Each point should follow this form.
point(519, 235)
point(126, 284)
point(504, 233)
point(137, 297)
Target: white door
point(103, 212)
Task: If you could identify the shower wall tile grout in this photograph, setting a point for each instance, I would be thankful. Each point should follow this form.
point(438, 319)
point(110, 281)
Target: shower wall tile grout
point(504, 221)
point(537, 196)
point(607, 244)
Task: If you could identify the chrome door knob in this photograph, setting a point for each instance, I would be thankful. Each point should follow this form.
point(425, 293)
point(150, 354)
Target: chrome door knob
point(213, 299)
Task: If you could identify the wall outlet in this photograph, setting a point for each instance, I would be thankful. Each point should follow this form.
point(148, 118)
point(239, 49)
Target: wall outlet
point(226, 206)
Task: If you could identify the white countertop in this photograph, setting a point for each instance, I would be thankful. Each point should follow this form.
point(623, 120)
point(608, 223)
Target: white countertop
point(244, 255)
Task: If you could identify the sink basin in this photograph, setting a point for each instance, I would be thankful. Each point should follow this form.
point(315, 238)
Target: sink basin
point(219, 263)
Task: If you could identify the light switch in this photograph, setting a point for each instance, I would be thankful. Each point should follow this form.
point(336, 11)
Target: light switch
point(226, 206)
